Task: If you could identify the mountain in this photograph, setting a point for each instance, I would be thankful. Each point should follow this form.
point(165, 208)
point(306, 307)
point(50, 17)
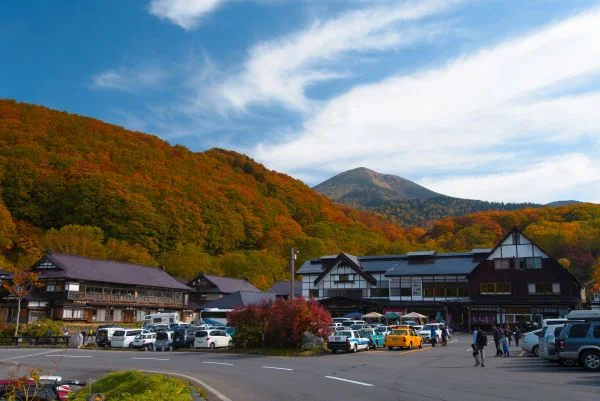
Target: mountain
point(81, 186)
point(136, 196)
point(562, 203)
point(364, 187)
point(402, 200)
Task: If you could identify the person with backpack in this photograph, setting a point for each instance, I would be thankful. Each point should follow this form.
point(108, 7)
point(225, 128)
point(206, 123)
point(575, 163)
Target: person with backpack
point(479, 349)
point(444, 336)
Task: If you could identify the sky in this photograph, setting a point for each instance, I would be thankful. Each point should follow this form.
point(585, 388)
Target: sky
point(483, 99)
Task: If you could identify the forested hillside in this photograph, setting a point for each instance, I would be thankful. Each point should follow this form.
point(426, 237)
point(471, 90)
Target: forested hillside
point(82, 186)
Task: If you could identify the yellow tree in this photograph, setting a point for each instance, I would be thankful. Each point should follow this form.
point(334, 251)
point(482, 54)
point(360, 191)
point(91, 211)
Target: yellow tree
point(20, 286)
point(596, 277)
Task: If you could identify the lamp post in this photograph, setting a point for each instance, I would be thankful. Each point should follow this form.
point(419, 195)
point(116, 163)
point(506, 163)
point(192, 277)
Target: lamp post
point(293, 254)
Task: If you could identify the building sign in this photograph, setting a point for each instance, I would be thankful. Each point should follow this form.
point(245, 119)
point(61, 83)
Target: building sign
point(417, 287)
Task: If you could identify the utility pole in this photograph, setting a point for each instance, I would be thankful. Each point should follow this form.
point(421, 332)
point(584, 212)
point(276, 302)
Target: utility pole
point(293, 254)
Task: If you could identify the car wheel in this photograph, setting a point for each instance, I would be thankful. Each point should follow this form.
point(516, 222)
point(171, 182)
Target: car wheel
point(536, 350)
point(334, 351)
point(130, 345)
point(230, 344)
point(410, 346)
point(150, 347)
point(567, 363)
point(212, 345)
point(421, 344)
point(591, 360)
point(355, 348)
point(391, 348)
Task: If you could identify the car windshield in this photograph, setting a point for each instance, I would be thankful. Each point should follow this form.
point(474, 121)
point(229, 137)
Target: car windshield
point(400, 332)
point(429, 326)
point(201, 333)
point(119, 333)
point(345, 333)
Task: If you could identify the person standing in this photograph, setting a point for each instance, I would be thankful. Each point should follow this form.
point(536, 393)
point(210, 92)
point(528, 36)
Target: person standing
point(433, 335)
point(508, 334)
point(474, 346)
point(505, 344)
point(479, 348)
point(444, 336)
point(518, 335)
point(496, 334)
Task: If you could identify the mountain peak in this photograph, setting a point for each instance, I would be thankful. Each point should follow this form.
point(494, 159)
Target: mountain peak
point(363, 186)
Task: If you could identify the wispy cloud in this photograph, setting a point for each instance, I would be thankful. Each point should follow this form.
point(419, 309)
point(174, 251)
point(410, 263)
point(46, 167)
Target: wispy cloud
point(185, 13)
point(498, 109)
point(129, 79)
point(279, 71)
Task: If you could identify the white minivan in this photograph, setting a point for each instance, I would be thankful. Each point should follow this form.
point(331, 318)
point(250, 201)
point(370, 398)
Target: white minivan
point(212, 339)
point(123, 338)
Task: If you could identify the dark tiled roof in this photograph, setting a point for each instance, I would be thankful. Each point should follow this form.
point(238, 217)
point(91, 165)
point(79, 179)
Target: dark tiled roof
point(441, 263)
point(108, 271)
point(240, 299)
point(228, 285)
point(284, 288)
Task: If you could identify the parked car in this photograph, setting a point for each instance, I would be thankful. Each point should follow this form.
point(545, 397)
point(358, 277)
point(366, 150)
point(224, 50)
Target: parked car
point(359, 326)
point(553, 321)
point(376, 339)
point(531, 342)
point(212, 339)
point(340, 319)
point(403, 337)
point(105, 334)
point(47, 388)
point(425, 332)
point(123, 338)
point(144, 341)
point(347, 340)
point(579, 341)
point(547, 348)
point(385, 330)
point(184, 337)
point(164, 340)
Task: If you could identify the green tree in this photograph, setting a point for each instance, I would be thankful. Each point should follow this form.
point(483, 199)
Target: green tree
point(77, 240)
point(187, 260)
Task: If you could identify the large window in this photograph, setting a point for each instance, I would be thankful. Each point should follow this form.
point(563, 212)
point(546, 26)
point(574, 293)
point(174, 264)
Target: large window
point(544, 288)
point(382, 290)
point(579, 330)
point(530, 263)
point(502, 264)
point(494, 288)
point(69, 313)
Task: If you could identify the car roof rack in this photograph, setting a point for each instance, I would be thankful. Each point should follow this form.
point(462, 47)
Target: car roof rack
point(586, 315)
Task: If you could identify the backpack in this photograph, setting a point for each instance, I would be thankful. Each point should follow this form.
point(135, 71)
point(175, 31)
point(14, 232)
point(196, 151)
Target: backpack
point(481, 338)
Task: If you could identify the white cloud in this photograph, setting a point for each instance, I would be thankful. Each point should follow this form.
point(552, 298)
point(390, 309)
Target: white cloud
point(481, 111)
point(279, 71)
point(185, 13)
point(129, 79)
point(552, 179)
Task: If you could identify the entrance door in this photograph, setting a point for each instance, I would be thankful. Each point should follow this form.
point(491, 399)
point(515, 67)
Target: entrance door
point(128, 316)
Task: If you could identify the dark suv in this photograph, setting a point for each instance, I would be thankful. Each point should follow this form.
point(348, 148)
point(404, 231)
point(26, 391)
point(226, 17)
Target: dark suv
point(580, 341)
point(184, 337)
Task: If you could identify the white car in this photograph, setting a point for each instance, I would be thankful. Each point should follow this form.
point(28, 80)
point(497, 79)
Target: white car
point(531, 342)
point(123, 338)
point(144, 341)
point(212, 339)
point(425, 332)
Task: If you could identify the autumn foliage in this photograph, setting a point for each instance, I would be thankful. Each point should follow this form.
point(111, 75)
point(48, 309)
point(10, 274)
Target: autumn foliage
point(82, 186)
point(282, 321)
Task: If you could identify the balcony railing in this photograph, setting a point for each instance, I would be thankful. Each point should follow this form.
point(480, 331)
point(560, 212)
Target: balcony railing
point(124, 299)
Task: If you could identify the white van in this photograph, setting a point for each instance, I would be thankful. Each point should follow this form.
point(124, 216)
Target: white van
point(123, 338)
point(105, 334)
point(166, 318)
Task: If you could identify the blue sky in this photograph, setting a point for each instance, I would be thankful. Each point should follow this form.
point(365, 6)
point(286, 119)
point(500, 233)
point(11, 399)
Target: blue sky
point(488, 99)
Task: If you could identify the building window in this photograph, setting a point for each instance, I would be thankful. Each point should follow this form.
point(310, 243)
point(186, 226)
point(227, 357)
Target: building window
point(109, 315)
point(530, 263)
point(382, 290)
point(544, 288)
point(313, 293)
point(69, 313)
point(50, 287)
point(502, 264)
point(494, 288)
point(345, 278)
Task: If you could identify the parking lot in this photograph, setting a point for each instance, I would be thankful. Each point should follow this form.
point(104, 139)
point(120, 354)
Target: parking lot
point(440, 373)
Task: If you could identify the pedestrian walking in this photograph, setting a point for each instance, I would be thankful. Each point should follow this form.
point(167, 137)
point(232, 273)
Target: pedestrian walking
point(474, 346)
point(433, 334)
point(505, 345)
point(496, 334)
point(508, 334)
point(518, 335)
point(444, 336)
point(479, 347)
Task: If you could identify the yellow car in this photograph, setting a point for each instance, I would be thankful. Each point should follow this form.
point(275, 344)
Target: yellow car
point(403, 337)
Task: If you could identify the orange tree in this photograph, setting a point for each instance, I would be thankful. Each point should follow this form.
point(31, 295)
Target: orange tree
point(20, 286)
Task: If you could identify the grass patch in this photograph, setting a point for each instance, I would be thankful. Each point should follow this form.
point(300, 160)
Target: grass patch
point(131, 385)
point(291, 352)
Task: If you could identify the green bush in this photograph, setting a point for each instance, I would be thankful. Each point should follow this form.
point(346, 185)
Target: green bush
point(42, 328)
point(131, 385)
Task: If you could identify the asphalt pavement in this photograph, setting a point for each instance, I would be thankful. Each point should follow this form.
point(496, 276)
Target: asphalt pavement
point(439, 373)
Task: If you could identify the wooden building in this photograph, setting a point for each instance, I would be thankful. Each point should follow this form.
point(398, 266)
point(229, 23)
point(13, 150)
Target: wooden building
point(515, 282)
point(78, 289)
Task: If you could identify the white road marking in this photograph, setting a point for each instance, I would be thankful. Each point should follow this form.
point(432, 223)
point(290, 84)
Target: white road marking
point(154, 359)
point(218, 394)
point(27, 356)
point(220, 363)
point(275, 367)
point(349, 381)
point(69, 356)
